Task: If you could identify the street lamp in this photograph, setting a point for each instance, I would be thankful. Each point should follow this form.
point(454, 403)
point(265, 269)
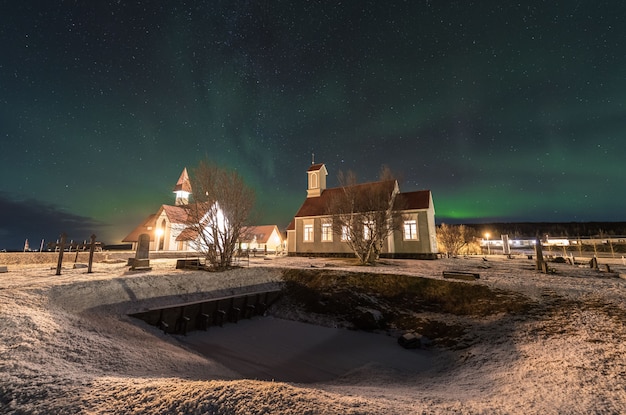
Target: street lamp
point(487, 235)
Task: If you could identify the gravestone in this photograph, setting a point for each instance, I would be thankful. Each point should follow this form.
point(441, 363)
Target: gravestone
point(539, 254)
point(506, 248)
point(142, 256)
point(4, 269)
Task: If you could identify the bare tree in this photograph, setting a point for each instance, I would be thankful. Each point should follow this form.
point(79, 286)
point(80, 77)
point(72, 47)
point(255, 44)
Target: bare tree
point(452, 238)
point(222, 205)
point(365, 215)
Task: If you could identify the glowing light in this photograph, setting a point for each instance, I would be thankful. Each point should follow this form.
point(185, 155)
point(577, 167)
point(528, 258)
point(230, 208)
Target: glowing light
point(487, 235)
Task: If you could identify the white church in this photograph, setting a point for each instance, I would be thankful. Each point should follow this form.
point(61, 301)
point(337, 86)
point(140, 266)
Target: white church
point(166, 227)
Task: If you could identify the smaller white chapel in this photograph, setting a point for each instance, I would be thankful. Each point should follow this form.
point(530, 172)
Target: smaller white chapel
point(166, 227)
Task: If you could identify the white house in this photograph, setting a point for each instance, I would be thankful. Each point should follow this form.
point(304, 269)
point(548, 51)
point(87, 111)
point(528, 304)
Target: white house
point(266, 238)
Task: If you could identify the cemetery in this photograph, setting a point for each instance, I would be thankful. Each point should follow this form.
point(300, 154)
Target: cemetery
point(206, 330)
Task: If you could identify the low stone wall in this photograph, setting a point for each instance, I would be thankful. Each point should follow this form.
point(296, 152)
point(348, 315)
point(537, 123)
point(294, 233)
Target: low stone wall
point(26, 258)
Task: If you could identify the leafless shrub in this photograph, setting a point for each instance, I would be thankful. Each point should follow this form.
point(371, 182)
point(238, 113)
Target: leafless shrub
point(222, 205)
point(364, 215)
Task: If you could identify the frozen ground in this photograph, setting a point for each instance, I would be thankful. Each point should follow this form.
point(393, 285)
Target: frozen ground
point(67, 346)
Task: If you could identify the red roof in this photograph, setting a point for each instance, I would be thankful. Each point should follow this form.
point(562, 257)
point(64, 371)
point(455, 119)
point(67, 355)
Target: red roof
point(188, 234)
point(414, 200)
point(315, 167)
point(317, 206)
point(150, 222)
point(175, 214)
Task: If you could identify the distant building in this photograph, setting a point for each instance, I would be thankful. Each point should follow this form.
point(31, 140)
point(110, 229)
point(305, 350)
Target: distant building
point(263, 238)
point(310, 232)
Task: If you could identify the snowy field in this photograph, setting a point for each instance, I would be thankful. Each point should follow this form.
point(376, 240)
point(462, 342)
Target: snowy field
point(67, 346)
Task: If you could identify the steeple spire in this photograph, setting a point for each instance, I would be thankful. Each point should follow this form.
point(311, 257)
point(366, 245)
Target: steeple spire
point(182, 188)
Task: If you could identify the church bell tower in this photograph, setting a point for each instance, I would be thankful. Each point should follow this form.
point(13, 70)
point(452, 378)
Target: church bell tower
point(182, 189)
point(317, 180)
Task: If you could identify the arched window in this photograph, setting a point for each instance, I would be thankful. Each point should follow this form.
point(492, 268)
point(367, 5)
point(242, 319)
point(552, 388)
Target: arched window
point(162, 241)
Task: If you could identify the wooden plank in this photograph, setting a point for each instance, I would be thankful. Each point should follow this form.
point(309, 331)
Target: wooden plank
point(214, 299)
point(461, 275)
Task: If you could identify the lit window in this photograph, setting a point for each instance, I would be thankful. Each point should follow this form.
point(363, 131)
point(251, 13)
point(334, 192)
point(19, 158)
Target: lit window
point(345, 233)
point(327, 232)
point(410, 230)
point(308, 233)
point(367, 230)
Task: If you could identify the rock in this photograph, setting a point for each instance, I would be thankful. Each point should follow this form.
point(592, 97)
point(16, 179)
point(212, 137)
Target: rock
point(368, 319)
point(410, 340)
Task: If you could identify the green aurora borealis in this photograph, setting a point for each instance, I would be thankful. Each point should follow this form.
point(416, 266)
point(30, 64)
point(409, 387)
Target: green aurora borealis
point(506, 112)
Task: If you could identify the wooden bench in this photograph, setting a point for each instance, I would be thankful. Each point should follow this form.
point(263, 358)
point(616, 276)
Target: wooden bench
point(188, 264)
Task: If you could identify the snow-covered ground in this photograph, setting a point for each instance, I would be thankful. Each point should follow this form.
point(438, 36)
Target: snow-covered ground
point(68, 346)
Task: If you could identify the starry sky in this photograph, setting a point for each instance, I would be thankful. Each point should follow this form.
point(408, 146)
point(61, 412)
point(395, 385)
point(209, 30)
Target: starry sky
point(505, 111)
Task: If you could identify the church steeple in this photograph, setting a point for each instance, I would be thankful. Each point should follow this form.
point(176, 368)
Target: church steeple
point(182, 188)
point(317, 179)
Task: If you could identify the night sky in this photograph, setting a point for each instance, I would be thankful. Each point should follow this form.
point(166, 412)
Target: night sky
point(506, 112)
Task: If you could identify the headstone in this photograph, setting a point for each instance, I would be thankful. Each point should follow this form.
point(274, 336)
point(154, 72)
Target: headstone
point(142, 256)
point(143, 247)
point(3, 269)
point(506, 248)
point(539, 254)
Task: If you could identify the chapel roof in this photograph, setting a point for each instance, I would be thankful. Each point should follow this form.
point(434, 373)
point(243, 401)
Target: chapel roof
point(147, 226)
point(175, 214)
